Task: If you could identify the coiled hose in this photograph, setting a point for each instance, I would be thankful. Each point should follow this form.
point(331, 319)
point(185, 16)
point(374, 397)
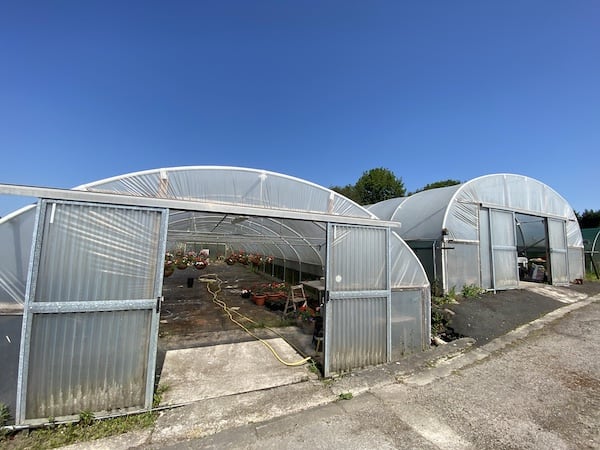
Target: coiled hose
point(230, 312)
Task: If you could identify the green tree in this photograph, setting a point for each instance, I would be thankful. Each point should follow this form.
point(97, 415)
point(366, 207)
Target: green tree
point(589, 218)
point(378, 184)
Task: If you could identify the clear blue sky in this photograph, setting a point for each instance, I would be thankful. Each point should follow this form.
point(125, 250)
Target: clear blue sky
point(321, 90)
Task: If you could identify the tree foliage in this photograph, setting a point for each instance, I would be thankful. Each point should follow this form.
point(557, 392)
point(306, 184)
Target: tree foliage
point(373, 186)
point(589, 218)
point(378, 184)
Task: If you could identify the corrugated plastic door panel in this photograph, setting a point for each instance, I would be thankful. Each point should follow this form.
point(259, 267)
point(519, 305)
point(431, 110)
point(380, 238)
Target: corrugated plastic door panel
point(484, 249)
point(357, 308)
point(559, 261)
point(91, 313)
point(504, 250)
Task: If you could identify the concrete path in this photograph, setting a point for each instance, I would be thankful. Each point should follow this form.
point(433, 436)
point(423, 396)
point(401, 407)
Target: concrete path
point(194, 374)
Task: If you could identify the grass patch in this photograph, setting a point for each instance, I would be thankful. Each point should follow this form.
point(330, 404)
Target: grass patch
point(87, 429)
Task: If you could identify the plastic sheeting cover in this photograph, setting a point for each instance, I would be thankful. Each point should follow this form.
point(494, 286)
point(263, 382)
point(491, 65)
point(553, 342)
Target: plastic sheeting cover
point(425, 214)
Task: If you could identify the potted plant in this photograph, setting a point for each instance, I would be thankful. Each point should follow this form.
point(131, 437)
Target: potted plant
point(200, 263)
point(305, 319)
point(169, 267)
point(242, 258)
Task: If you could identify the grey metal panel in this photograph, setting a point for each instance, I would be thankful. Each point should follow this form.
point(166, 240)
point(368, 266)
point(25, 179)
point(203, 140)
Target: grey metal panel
point(462, 265)
point(357, 332)
point(559, 261)
point(577, 263)
point(504, 250)
point(89, 339)
point(96, 253)
point(358, 257)
point(485, 249)
point(357, 323)
point(93, 361)
point(406, 323)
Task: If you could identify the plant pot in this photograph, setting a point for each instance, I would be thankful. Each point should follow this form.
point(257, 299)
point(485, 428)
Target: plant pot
point(259, 299)
point(182, 266)
point(230, 261)
point(168, 271)
point(200, 265)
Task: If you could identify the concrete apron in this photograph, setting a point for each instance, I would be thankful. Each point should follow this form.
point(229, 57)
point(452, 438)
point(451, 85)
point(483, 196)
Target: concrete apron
point(194, 374)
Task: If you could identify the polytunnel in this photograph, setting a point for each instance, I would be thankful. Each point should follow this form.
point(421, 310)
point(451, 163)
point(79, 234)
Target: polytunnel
point(81, 278)
point(494, 232)
point(591, 243)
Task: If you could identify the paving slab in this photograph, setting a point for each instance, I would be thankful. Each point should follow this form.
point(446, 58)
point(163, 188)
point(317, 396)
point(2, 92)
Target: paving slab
point(194, 374)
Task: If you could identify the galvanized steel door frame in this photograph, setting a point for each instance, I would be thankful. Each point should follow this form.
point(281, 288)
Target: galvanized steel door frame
point(32, 308)
point(331, 294)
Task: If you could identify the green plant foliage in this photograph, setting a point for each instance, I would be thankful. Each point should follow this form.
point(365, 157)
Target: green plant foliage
point(313, 368)
point(4, 418)
point(70, 433)
point(86, 418)
point(452, 293)
point(345, 396)
point(438, 321)
point(158, 394)
point(472, 291)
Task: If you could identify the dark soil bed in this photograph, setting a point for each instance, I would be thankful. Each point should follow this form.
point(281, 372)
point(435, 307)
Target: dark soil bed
point(493, 315)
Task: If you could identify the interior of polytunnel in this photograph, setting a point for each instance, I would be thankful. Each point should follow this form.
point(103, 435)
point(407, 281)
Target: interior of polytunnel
point(532, 247)
point(217, 265)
